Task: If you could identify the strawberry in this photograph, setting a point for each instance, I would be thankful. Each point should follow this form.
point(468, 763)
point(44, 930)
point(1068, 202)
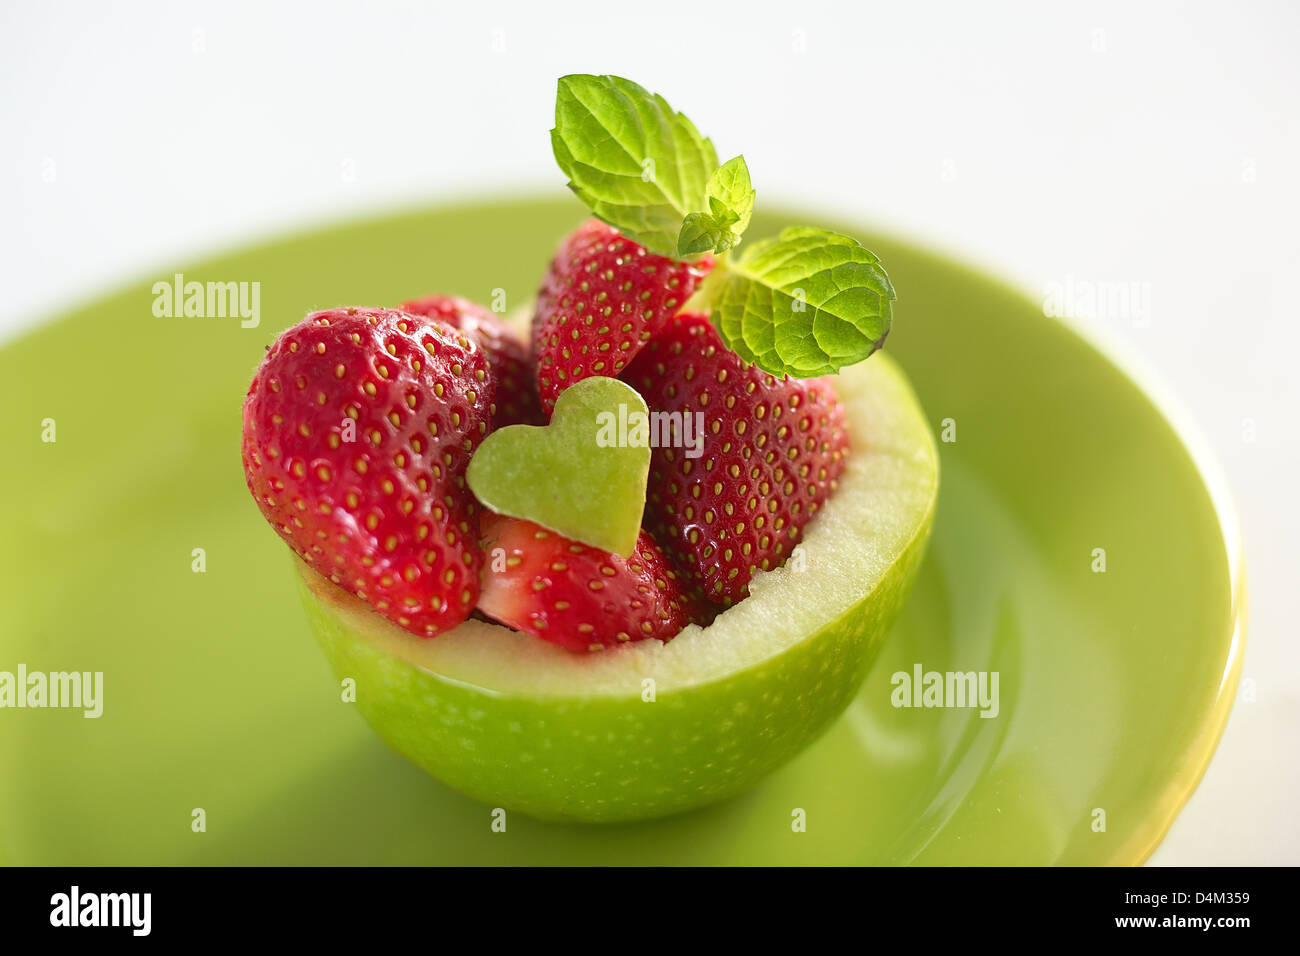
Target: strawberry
point(773, 451)
point(601, 301)
point(507, 354)
point(358, 427)
point(570, 594)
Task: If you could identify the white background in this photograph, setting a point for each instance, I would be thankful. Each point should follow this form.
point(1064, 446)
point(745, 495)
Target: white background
point(1115, 142)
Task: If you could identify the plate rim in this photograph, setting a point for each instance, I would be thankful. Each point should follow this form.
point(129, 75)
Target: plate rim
point(1126, 359)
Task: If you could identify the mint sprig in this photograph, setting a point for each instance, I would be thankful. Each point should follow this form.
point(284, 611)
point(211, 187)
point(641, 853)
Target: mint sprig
point(808, 302)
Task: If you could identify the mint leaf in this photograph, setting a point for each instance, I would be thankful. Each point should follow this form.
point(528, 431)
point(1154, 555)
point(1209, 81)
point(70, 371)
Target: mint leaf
point(806, 303)
point(644, 168)
point(731, 203)
point(639, 166)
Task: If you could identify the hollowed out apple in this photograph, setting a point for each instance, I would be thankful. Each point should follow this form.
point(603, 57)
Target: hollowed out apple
point(649, 729)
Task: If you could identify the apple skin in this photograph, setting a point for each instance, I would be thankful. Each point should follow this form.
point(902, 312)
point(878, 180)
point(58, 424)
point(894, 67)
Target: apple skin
point(616, 756)
point(612, 759)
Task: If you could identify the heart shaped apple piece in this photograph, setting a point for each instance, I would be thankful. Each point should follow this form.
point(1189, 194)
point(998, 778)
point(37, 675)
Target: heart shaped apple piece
point(583, 475)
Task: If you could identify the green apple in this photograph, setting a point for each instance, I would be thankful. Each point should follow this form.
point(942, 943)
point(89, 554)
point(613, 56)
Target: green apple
point(650, 729)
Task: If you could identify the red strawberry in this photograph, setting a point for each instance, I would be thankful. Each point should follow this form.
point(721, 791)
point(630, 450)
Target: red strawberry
point(507, 353)
point(570, 594)
point(601, 301)
point(773, 451)
point(357, 430)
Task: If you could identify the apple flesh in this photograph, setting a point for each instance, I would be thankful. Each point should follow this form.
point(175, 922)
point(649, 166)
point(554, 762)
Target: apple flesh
point(650, 729)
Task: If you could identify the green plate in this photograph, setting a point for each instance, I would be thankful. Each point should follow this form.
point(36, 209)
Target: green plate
point(1113, 687)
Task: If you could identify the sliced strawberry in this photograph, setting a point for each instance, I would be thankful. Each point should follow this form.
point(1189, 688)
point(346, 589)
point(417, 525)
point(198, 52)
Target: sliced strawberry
point(773, 451)
point(601, 301)
point(508, 354)
point(570, 594)
point(358, 427)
